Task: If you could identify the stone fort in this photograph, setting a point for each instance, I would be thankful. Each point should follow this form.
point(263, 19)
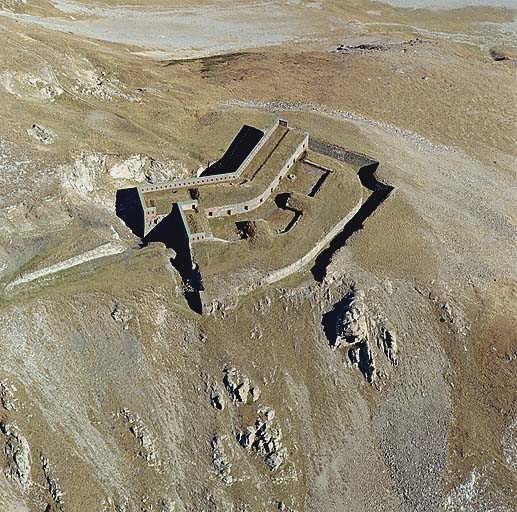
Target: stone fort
point(298, 193)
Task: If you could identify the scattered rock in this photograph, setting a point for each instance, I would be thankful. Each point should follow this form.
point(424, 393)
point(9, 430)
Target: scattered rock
point(42, 134)
point(90, 81)
point(387, 342)
point(122, 314)
point(219, 460)
point(447, 312)
point(17, 452)
point(142, 435)
point(361, 357)
point(502, 53)
point(246, 437)
point(254, 393)
point(39, 85)
point(376, 46)
point(217, 398)
point(264, 438)
point(239, 387)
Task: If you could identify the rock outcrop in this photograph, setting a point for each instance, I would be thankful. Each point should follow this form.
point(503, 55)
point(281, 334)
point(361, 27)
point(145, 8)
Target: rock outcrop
point(217, 398)
point(53, 487)
point(122, 314)
point(135, 168)
point(239, 387)
point(264, 438)
point(42, 134)
point(362, 335)
point(16, 450)
point(7, 397)
point(352, 326)
point(144, 438)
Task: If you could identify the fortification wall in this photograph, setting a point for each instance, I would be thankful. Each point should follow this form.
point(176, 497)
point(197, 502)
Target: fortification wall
point(254, 203)
point(209, 303)
point(150, 215)
point(189, 182)
point(151, 218)
point(282, 273)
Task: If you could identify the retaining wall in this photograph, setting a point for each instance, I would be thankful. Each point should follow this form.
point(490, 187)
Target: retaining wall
point(340, 153)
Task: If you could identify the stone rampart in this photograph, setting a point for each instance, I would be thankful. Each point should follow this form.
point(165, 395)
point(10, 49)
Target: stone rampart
point(151, 218)
point(218, 178)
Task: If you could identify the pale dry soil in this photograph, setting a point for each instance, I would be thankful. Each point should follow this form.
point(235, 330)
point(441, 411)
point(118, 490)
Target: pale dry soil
point(107, 374)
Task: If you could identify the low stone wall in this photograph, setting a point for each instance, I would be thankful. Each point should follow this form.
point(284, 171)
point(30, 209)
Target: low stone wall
point(252, 204)
point(340, 153)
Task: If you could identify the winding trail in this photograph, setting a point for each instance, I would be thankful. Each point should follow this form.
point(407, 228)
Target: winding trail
point(277, 107)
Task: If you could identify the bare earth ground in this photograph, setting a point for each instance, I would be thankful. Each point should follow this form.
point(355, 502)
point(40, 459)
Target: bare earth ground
point(107, 376)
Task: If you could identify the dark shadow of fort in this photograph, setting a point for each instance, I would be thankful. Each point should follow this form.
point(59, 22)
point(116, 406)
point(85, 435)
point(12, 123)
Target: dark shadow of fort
point(129, 209)
point(171, 232)
point(241, 146)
